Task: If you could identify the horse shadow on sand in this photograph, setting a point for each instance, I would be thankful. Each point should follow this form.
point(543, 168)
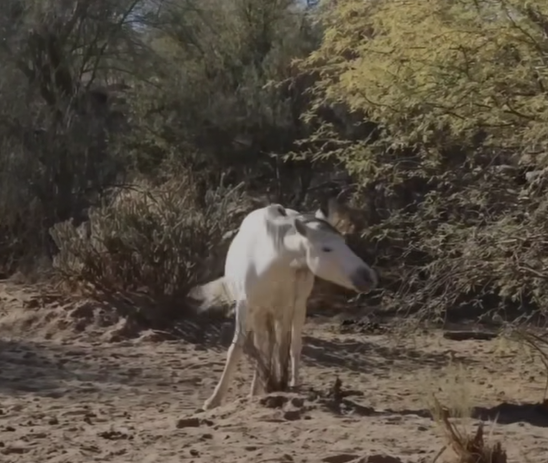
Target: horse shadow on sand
point(360, 355)
point(366, 356)
point(369, 357)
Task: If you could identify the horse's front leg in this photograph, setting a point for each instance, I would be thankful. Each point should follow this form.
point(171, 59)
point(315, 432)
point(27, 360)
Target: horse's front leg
point(305, 283)
point(234, 355)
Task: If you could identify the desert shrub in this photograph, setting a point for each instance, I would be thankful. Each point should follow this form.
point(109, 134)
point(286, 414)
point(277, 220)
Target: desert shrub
point(150, 239)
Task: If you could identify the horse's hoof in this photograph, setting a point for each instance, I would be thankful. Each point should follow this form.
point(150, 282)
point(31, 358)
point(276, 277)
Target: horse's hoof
point(209, 404)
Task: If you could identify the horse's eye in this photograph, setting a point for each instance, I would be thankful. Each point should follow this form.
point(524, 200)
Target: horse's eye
point(324, 249)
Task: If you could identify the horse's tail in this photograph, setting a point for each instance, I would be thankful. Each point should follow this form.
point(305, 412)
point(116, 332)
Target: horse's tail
point(212, 295)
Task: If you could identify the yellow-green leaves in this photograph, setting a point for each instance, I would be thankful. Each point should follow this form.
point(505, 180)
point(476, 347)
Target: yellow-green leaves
point(415, 64)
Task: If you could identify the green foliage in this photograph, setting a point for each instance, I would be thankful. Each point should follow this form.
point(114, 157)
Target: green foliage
point(437, 72)
point(437, 109)
point(213, 87)
point(59, 115)
point(456, 94)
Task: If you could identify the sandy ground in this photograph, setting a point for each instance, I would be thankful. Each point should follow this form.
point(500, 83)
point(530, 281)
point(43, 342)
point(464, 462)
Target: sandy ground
point(76, 398)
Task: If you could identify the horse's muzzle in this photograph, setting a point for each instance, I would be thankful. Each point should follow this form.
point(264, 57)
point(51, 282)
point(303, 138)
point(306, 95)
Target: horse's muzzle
point(365, 279)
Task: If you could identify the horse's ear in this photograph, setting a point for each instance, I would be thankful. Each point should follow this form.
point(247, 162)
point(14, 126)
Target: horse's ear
point(300, 227)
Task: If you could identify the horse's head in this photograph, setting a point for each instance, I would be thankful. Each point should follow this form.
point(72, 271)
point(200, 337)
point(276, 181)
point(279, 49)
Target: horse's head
point(329, 257)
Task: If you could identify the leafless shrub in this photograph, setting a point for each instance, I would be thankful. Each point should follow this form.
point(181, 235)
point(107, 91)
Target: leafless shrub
point(148, 239)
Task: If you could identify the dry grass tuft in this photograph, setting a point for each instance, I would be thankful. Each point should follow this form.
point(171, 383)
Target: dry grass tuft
point(454, 385)
point(467, 448)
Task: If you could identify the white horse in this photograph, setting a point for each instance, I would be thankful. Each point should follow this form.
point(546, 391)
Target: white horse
point(269, 273)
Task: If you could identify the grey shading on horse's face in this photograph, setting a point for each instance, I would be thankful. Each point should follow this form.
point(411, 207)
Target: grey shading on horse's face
point(329, 257)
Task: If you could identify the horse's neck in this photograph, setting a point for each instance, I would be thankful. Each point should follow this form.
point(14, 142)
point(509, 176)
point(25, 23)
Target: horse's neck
point(292, 248)
point(284, 243)
point(274, 248)
point(276, 270)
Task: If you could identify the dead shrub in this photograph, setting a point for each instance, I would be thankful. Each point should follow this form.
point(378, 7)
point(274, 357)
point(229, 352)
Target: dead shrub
point(156, 240)
point(467, 448)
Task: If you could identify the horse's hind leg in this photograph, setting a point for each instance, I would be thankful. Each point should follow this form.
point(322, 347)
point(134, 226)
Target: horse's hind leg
point(296, 342)
point(257, 354)
point(255, 382)
point(234, 355)
point(283, 342)
point(305, 283)
point(264, 343)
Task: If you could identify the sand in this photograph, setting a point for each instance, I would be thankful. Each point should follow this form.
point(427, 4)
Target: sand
point(69, 395)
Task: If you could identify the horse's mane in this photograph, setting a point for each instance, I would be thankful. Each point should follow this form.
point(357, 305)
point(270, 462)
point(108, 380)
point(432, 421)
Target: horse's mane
point(323, 225)
point(280, 227)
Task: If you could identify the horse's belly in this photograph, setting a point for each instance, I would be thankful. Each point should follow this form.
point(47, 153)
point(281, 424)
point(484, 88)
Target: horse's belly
point(272, 304)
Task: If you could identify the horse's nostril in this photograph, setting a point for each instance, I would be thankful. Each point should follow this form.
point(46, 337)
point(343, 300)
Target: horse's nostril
point(374, 278)
point(366, 278)
point(366, 274)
